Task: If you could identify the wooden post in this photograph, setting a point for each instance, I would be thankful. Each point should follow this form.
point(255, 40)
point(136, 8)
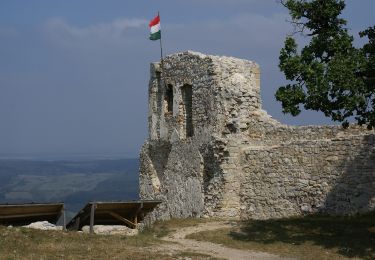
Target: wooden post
point(64, 219)
point(76, 223)
point(92, 217)
point(137, 212)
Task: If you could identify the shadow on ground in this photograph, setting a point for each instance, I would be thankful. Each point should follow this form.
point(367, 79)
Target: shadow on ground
point(350, 236)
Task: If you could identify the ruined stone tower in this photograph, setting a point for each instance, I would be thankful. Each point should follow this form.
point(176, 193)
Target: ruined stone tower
point(213, 151)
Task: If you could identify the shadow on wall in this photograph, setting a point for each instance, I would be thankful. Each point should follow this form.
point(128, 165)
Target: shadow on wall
point(159, 154)
point(354, 190)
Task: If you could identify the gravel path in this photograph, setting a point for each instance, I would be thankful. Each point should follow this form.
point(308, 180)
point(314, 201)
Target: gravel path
point(180, 243)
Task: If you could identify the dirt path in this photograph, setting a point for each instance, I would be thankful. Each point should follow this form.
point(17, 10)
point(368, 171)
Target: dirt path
point(180, 243)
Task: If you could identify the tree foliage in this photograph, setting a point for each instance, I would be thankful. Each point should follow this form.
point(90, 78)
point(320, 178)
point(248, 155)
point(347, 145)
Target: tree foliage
point(329, 74)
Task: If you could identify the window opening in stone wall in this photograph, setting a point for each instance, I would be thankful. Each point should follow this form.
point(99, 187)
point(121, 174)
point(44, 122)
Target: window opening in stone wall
point(168, 99)
point(187, 98)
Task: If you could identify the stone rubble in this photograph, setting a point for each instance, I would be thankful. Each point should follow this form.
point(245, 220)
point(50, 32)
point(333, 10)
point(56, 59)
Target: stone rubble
point(98, 229)
point(43, 225)
point(111, 230)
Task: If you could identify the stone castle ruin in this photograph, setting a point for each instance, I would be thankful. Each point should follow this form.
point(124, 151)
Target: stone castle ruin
point(213, 152)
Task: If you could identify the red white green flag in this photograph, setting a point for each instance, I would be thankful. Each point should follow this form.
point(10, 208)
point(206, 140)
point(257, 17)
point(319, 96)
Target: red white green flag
point(154, 25)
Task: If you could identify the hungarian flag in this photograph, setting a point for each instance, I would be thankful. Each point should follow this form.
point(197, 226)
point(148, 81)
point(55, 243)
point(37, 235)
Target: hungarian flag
point(154, 25)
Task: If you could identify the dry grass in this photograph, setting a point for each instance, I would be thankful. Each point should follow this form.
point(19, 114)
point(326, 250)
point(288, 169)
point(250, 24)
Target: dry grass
point(316, 237)
point(163, 228)
point(22, 243)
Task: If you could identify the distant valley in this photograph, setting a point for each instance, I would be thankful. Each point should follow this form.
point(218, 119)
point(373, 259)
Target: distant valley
point(74, 182)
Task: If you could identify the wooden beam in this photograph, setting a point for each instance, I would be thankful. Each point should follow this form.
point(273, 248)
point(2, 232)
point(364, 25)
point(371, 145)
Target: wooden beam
point(122, 219)
point(132, 211)
point(28, 215)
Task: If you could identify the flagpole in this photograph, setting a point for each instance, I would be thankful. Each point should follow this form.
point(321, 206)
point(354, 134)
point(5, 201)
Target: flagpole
point(161, 50)
point(161, 46)
point(161, 57)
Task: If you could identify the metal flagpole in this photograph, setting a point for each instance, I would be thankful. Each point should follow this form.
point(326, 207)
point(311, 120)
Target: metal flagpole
point(161, 50)
point(161, 46)
point(161, 56)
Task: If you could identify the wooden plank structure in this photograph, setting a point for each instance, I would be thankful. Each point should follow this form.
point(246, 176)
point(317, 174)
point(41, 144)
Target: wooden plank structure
point(24, 214)
point(128, 213)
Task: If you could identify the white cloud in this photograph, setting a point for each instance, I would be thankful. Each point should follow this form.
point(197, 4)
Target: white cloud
point(116, 29)
point(247, 33)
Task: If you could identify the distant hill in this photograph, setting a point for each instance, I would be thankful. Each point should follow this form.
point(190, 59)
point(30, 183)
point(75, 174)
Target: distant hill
point(75, 181)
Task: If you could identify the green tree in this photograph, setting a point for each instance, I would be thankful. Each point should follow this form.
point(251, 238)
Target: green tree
point(328, 74)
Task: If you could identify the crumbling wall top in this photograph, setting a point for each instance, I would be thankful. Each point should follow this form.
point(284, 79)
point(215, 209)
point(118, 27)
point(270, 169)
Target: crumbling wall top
point(191, 92)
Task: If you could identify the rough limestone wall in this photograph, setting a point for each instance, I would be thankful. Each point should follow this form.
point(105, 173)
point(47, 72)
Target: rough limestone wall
point(334, 176)
point(185, 172)
point(174, 177)
point(192, 69)
point(174, 166)
point(264, 162)
point(241, 163)
point(238, 93)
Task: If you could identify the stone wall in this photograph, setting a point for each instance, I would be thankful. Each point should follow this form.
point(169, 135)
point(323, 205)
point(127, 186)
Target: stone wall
point(172, 166)
point(334, 176)
point(289, 170)
point(237, 161)
point(174, 176)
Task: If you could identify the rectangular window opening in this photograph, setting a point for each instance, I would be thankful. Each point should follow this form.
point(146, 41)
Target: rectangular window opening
point(187, 97)
point(168, 99)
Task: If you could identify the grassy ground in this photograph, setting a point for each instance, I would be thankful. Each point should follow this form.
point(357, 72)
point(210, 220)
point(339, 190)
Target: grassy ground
point(316, 237)
point(22, 243)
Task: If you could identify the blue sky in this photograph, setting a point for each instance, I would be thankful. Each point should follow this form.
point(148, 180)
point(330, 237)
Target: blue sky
point(74, 73)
